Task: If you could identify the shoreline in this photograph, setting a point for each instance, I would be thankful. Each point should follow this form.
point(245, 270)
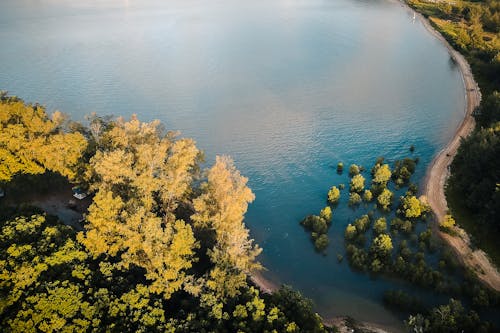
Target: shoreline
point(266, 286)
point(438, 171)
point(345, 324)
point(433, 189)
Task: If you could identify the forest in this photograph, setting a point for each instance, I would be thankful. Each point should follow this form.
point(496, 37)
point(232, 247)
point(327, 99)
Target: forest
point(473, 191)
point(163, 248)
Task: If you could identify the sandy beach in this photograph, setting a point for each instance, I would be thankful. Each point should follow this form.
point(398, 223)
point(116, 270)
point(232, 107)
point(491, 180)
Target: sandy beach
point(438, 172)
point(433, 188)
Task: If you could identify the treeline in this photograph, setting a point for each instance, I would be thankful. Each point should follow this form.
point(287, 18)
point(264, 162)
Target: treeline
point(164, 246)
point(474, 185)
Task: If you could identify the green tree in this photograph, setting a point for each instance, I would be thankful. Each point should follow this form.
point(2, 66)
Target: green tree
point(60, 308)
point(362, 223)
point(385, 199)
point(357, 183)
point(353, 170)
point(326, 214)
point(354, 199)
point(412, 207)
point(380, 225)
point(450, 317)
point(333, 195)
point(447, 223)
point(43, 273)
point(142, 175)
point(321, 242)
point(382, 174)
point(367, 196)
point(350, 232)
point(381, 245)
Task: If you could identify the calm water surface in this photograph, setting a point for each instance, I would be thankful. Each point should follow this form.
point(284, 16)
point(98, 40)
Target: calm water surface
point(286, 87)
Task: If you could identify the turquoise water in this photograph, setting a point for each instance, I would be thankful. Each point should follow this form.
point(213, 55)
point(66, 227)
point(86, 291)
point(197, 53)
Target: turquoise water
point(286, 87)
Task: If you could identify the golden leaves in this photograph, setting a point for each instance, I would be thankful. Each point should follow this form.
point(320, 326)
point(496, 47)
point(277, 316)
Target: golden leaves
point(30, 142)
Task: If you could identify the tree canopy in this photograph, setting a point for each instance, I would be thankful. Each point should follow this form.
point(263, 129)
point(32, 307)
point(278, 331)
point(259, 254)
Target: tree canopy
point(32, 142)
point(164, 247)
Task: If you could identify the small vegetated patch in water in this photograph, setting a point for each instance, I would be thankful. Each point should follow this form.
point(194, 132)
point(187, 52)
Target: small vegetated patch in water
point(391, 238)
point(318, 226)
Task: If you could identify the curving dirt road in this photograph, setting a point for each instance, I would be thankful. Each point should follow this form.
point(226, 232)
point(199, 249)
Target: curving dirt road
point(438, 173)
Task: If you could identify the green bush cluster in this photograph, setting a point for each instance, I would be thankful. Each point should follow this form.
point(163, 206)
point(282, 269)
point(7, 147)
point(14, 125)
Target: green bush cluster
point(318, 226)
point(401, 301)
point(333, 195)
point(403, 170)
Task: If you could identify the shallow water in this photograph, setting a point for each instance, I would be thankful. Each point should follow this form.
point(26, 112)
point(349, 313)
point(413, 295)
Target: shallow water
point(286, 87)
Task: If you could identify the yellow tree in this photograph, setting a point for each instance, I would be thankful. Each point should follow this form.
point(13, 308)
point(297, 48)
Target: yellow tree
point(141, 175)
point(221, 208)
point(357, 183)
point(382, 174)
point(412, 207)
point(31, 142)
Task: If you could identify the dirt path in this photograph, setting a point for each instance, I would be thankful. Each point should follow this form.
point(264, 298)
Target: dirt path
point(438, 173)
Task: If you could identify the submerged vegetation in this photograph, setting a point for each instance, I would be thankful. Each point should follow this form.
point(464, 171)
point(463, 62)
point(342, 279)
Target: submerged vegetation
point(318, 225)
point(473, 192)
point(392, 239)
point(164, 246)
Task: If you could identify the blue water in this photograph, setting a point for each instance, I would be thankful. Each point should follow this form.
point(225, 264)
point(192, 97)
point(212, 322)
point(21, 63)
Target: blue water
point(286, 87)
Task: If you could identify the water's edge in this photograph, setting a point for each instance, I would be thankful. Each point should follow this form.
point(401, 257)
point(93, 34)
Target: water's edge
point(435, 177)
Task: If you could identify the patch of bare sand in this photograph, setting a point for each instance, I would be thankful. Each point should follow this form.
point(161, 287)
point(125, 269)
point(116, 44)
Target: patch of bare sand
point(438, 173)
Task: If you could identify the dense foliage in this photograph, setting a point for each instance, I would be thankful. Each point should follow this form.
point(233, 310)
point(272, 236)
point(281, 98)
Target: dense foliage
point(451, 317)
point(32, 143)
point(473, 27)
point(164, 246)
point(392, 238)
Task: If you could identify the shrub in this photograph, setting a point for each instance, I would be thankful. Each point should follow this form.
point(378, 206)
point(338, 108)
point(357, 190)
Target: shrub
point(354, 199)
point(407, 227)
point(382, 174)
point(380, 225)
point(326, 214)
point(367, 196)
point(353, 170)
point(362, 223)
point(350, 232)
point(403, 170)
point(357, 183)
point(333, 195)
point(385, 199)
point(319, 225)
point(447, 223)
point(321, 242)
point(340, 167)
point(396, 223)
point(381, 245)
point(411, 207)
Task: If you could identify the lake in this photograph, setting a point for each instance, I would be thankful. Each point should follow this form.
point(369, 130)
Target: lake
point(286, 87)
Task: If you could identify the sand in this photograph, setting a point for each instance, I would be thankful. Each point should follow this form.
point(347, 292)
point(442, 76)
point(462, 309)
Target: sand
point(438, 173)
